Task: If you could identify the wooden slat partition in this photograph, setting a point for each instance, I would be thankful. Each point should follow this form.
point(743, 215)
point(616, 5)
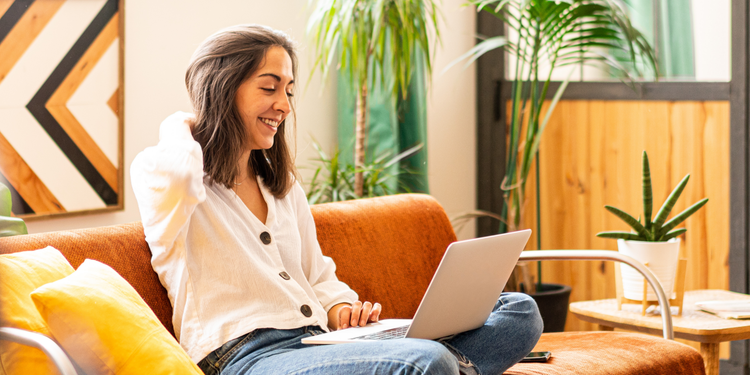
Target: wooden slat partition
point(591, 156)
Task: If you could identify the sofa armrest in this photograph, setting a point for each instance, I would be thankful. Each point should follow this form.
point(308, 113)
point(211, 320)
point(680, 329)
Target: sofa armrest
point(613, 256)
point(43, 343)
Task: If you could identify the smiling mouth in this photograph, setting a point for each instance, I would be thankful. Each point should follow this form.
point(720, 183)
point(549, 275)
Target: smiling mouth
point(269, 122)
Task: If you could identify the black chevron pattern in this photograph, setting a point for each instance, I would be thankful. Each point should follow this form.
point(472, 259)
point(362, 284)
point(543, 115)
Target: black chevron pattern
point(37, 105)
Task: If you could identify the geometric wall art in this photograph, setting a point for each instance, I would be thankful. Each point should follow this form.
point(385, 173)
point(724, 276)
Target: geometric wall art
point(61, 122)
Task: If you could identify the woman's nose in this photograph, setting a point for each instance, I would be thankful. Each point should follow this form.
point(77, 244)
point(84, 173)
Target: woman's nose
point(282, 103)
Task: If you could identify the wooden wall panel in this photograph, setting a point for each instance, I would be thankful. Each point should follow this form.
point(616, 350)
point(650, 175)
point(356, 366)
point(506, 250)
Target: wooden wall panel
point(591, 156)
point(61, 62)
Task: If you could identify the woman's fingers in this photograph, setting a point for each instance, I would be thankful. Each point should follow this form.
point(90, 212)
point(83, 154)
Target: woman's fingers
point(344, 316)
point(356, 311)
point(375, 312)
point(364, 316)
point(359, 314)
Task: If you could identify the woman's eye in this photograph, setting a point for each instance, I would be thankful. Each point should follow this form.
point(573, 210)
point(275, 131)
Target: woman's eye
point(289, 94)
point(268, 90)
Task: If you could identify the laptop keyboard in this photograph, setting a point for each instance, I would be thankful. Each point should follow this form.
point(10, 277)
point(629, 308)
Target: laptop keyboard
point(393, 333)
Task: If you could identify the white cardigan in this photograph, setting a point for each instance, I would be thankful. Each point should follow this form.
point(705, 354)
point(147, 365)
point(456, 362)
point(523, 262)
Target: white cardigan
point(208, 249)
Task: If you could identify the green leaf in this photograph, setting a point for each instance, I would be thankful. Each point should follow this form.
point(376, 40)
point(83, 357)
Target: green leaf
point(638, 227)
point(377, 15)
point(12, 226)
point(666, 208)
point(9, 226)
point(500, 5)
point(682, 216)
point(621, 235)
point(648, 197)
point(673, 234)
point(403, 155)
point(5, 201)
point(480, 49)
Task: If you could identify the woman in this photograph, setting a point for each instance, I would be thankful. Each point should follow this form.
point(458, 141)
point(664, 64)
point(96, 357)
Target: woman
point(234, 242)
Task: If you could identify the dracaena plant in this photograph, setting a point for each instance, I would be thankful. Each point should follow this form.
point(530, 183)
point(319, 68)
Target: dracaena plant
point(658, 229)
point(365, 36)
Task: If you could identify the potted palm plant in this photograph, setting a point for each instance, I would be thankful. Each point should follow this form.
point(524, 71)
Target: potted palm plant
point(365, 37)
point(549, 35)
point(654, 241)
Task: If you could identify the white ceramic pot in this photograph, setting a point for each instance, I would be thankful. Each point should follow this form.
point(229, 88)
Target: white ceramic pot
point(661, 258)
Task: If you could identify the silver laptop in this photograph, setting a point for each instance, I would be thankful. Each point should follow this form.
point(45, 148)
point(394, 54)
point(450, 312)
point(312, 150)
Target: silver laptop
point(461, 295)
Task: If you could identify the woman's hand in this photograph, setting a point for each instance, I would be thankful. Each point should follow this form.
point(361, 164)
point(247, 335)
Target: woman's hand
point(344, 315)
point(178, 125)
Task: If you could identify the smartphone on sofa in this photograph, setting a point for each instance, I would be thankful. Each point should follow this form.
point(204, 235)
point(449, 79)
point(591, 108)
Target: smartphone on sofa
point(537, 357)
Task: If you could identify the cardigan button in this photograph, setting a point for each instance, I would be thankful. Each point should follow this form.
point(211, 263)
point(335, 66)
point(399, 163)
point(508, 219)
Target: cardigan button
point(284, 275)
point(265, 237)
point(306, 311)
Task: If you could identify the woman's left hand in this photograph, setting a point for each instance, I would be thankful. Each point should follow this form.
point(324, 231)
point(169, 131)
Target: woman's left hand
point(344, 315)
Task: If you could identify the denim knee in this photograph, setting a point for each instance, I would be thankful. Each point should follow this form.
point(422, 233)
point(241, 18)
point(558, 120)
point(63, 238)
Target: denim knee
point(523, 303)
point(430, 357)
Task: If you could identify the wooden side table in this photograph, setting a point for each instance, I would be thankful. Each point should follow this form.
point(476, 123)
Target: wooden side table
point(693, 325)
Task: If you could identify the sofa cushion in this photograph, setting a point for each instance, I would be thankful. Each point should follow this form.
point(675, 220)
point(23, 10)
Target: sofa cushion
point(122, 247)
point(20, 274)
point(612, 353)
point(106, 327)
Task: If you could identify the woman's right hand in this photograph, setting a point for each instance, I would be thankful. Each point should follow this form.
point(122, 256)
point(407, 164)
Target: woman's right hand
point(344, 315)
point(178, 125)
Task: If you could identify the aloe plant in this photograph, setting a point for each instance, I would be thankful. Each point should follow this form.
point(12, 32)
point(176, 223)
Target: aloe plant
point(9, 226)
point(658, 229)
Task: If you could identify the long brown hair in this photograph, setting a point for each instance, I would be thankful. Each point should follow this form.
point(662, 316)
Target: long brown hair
point(216, 71)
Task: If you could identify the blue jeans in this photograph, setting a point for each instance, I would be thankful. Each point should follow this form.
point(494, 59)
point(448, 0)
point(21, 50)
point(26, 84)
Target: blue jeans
point(511, 331)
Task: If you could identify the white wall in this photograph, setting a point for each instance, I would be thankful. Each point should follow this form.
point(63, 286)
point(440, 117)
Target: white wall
point(452, 118)
point(712, 39)
point(160, 37)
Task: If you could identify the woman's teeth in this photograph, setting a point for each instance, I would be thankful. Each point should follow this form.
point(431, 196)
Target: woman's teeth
point(272, 123)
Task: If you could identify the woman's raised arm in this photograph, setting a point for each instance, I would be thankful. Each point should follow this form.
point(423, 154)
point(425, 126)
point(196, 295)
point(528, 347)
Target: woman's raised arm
point(168, 181)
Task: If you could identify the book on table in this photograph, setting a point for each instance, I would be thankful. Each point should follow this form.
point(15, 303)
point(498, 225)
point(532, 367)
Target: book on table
point(727, 309)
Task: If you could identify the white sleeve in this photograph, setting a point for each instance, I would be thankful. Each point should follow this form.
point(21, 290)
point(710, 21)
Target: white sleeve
point(320, 269)
point(168, 181)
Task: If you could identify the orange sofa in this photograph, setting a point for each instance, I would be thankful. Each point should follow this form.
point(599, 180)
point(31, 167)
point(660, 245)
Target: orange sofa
point(387, 250)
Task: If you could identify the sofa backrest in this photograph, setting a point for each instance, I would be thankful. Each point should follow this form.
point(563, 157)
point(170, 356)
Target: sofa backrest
point(385, 248)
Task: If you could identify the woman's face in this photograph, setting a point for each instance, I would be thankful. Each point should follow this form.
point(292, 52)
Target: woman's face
point(263, 98)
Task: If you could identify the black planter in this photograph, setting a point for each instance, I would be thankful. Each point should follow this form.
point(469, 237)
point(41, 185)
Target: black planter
point(552, 300)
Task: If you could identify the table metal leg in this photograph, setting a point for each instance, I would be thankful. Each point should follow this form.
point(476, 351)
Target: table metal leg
point(710, 353)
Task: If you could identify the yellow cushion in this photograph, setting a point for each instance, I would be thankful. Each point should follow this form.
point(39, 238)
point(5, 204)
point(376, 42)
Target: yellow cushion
point(106, 327)
point(20, 274)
